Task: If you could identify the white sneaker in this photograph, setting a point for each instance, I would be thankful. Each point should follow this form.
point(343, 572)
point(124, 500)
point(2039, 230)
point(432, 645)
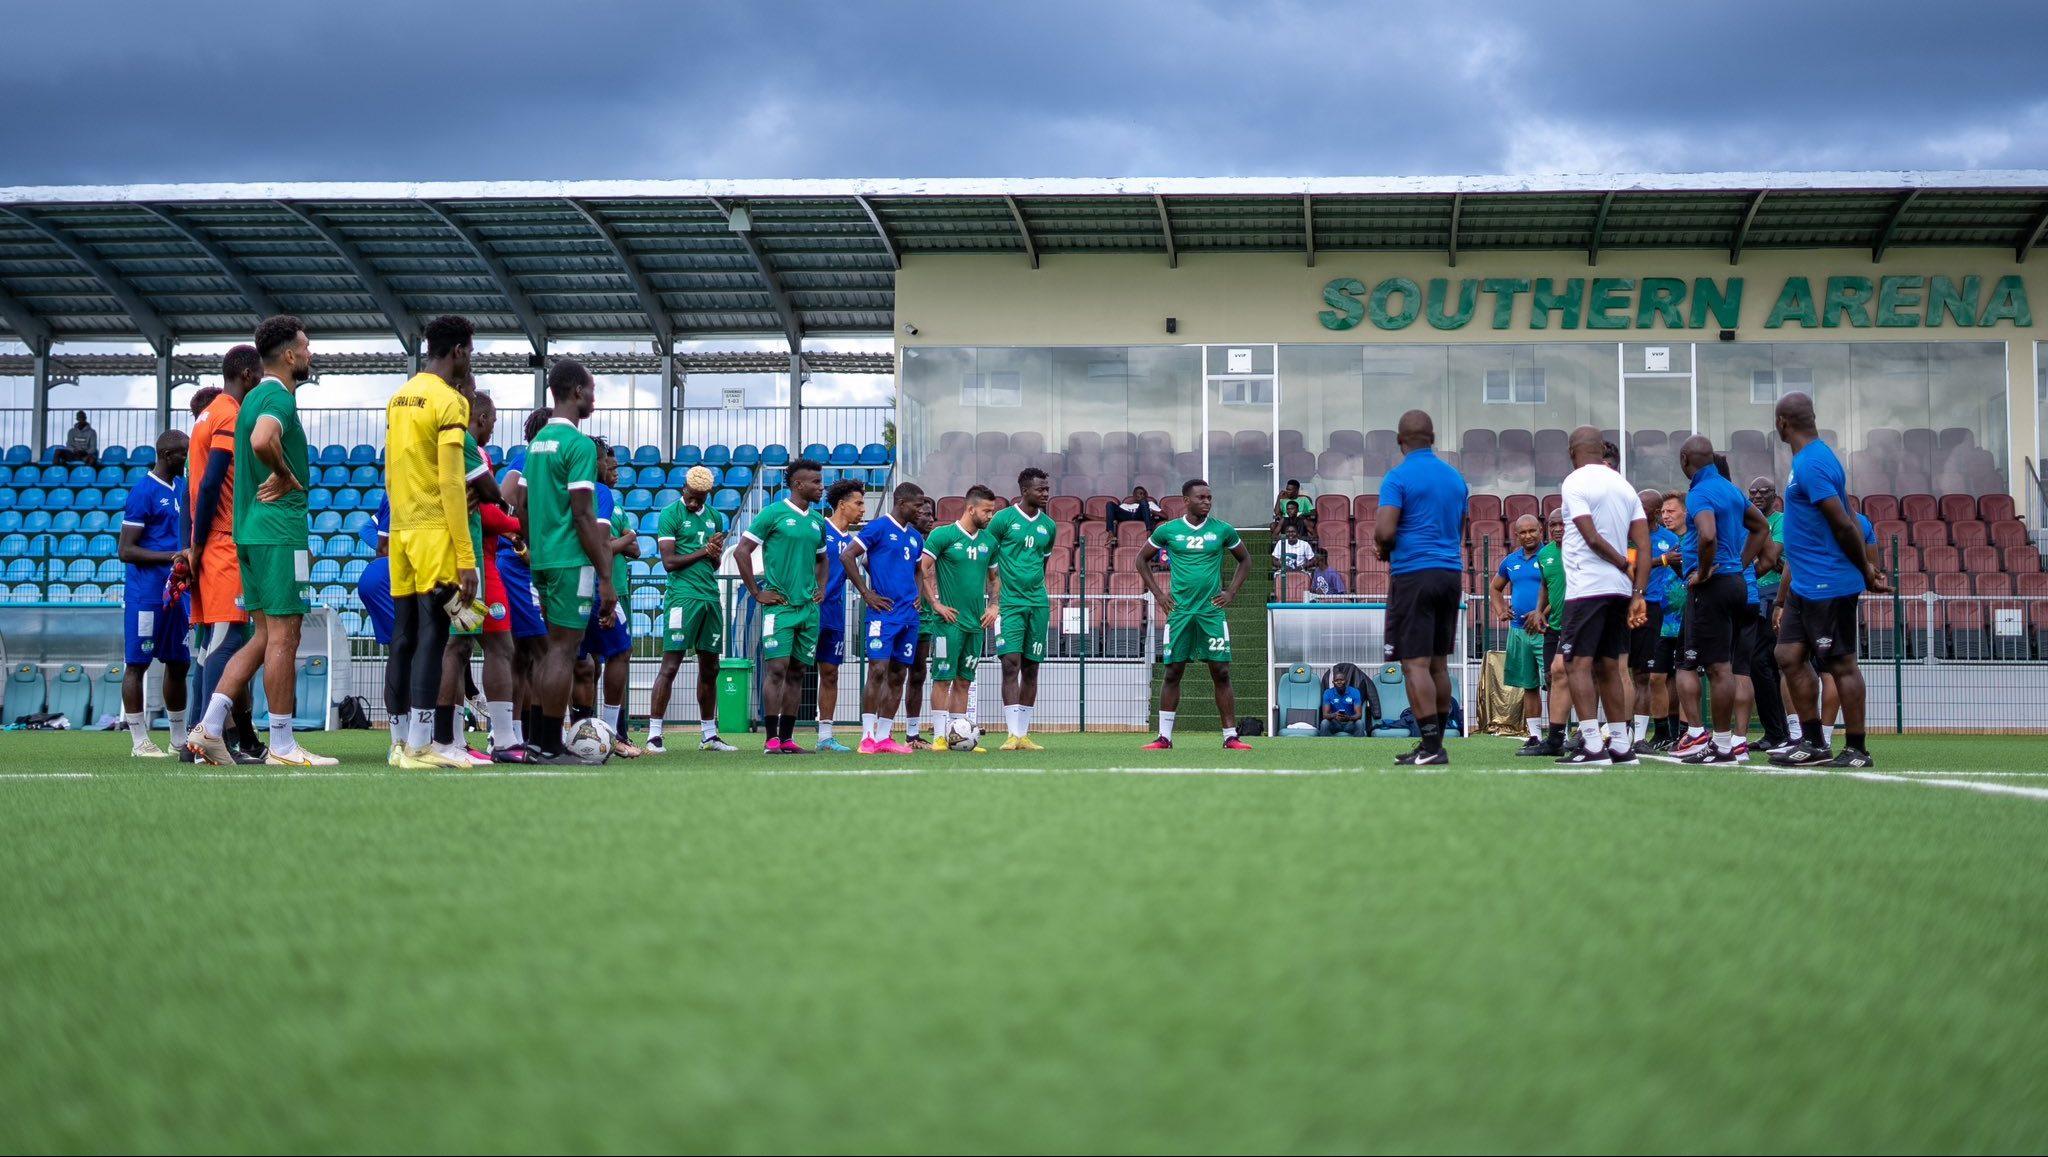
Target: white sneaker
point(654, 746)
point(456, 756)
point(716, 744)
point(145, 749)
point(299, 757)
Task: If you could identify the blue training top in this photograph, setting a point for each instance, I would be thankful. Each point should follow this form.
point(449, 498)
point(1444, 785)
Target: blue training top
point(1432, 499)
point(1347, 701)
point(159, 510)
point(1819, 568)
point(1713, 494)
point(1662, 542)
point(834, 616)
point(892, 553)
point(1525, 581)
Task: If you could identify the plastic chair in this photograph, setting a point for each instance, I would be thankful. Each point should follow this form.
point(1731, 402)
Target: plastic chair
point(24, 691)
point(1393, 693)
point(71, 695)
point(110, 571)
point(1299, 700)
point(717, 454)
point(362, 454)
point(746, 454)
point(106, 691)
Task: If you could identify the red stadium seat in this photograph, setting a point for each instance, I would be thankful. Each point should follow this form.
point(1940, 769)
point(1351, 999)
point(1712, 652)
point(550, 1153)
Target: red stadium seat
point(1980, 560)
point(1941, 560)
point(1958, 508)
point(1996, 585)
point(1363, 508)
point(1483, 507)
point(1880, 507)
point(2020, 560)
point(1088, 583)
point(2031, 583)
point(1995, 507)
point(1333, 534)
point(1123, 557)
point(1552, 502)
point(1174, 505)
point(1293, 587)
point(1096, 507)
point(1063, 534)
point(1909, 556)
point(1331, 508)
point(1918, 507)
point(1493, 532)
point(2009, 532)
point(1968, 533)
point(950, 508)
point(1951, 585)
point(1064, 507)
point(1888, 529)
point(1929, 532)
point(1060, 561)
point(1517, 505)
point(1130, 533)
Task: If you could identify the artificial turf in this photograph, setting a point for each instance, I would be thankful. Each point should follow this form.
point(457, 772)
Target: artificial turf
point(1022, 952)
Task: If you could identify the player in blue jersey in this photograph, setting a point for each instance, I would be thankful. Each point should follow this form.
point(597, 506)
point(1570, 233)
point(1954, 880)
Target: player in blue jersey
point(846, 504)
point(154, 626)
point(373, 590)
point(891, 547)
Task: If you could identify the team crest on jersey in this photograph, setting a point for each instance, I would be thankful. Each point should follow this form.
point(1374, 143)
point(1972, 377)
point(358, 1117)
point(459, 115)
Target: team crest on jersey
point(497, 610)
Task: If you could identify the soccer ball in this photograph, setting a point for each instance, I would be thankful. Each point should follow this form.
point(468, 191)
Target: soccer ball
point(589, 740)
point(963, 733)
point(701, 479)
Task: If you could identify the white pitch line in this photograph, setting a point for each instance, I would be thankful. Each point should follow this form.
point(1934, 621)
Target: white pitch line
point(45, 775)
point(1964, 784)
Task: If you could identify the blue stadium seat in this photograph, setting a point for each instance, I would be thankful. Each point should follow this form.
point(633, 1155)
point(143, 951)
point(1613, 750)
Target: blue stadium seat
point(717, 454)
point(89, 593)
point(48, 457)
point(352, 570)
point(327, 522)
point(348, 498)
point(372, 498)
point(110, 571)
point(319, 498)
point(639, 500)
point(646, 597)
point(331, 456)
point(143, 456)
point(61, 497)
point(494, 454)
point(363, 476)
point(57, 592)
point(114, 456)
point(647, 456)
point(7, 498)
point(326, 571)
point(362, 454)
point(70, 545)
point(24, 690)
point(19, 455)
point(741, 477)
point(687, 456)
point(10, 521)
point(312, 694)
point(108, 476)
point(23, 570)
point(71, 695)
point(355, 520)
point(87, 499)
point(52, 476)
point(36, 519)
point(775, 454)
point(96, 521)
point(845, 454)
point(817, 452)
point(726, 502)
point(746, 454)
point(81, 570)
point(13, 544)
point(333, 594)
point(330, 475)
point(114, 500)
point(650, 522)
point(874, 454)
point(516, 457)
point(352, 624)
point(665, 496)
point(79, 475)
point(134, 474)
point(678, 476)
point(102, 545)
point(505, 472)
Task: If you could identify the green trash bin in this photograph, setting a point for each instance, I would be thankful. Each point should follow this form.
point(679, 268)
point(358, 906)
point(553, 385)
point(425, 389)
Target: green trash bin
point(735, 689)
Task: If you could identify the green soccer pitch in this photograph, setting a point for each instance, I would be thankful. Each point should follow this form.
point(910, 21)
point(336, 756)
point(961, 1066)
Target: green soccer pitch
point(1065, 951)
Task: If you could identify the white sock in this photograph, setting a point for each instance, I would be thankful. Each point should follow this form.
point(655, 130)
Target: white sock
point(518, 731)
point(1166, 724)
point(281, 741)
point(1535, 727)
point(1724, 741)
point(503, 731)
point(941, 722)
point(618, 720)
point(1793, 729)
point(867, 726)
point(653, 728)
point(1827, 734)
point(1229, 733)
point(911, 727)
point(420, 736)
point(138, 725)
point(709, 728)
point(177, 719)
point(1026, 712)
point(824, 730)
point(216, 717)
point(1694, 731)
point(1013, 719)
point(1589, 732)
point(1620, 736)
point(1642, 729)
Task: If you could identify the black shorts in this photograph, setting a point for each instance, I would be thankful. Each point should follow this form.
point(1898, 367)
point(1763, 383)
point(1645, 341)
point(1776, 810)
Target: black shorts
point(1551, 639)
point(1642, 641)
point(1422, 614)
point(1745, 639)
point(1596, 627)
point(1713, 615)
point(1664, 656)
point(1825, 627)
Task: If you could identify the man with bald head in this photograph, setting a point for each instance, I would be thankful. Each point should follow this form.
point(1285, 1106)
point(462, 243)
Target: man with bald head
point(1420, 532)
point(1517, 596)
point(1648, 663)
point(1827, 570)
point(1724, 534)
point(1606, 571)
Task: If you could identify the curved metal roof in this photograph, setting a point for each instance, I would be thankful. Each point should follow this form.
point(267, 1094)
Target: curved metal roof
point(802, 258)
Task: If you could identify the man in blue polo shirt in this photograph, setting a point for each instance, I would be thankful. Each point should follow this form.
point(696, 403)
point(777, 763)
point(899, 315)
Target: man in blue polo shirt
point(1342, 707)
point(1649, 661)
point(1724, 532)
point(1420, 533)
point(1827, 571)
point(1516, 592)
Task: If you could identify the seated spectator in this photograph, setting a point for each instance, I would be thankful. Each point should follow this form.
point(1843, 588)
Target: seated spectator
point(1293, 553)
point(1326, 579)
point(1139, 507)
point(81, 445)
point(1293, 508)
point(1342, 706)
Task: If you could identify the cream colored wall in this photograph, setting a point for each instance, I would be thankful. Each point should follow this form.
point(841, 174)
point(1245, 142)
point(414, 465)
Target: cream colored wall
point(1125, 299)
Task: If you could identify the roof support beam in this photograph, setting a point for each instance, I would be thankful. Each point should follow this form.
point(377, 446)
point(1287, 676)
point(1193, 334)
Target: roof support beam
point(1742, 230)
point(875, 219)
point(1023, 230)
point(530, 320)
point(1308, 228)
point(257, 298)
point(2032, 238)
point(388, 302)
point(792, 322)
point(32, 331)
point(1166, 228)
point(1457, 211)
point(643, 288)
point(1599, 228)
point(1891, 226)
point(152, 327)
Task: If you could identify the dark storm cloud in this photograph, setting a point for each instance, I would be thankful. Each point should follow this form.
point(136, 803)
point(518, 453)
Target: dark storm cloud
point(521, 88)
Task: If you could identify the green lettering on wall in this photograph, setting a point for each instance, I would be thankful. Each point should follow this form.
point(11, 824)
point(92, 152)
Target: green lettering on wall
point(1544, 301)
point(1945, 301)
point(1345, 311)
point(1609, 294)
point(1504, 291)
point(1723, 301)
point(2008, 302)
point(1411, 303)
point(1468, 297)
point(1847, 297)
point(1795, 303)
point(1896, 292)
point(1660, 300)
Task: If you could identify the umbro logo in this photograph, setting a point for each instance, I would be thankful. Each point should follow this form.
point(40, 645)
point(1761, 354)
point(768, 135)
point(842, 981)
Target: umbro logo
point(1824, 642)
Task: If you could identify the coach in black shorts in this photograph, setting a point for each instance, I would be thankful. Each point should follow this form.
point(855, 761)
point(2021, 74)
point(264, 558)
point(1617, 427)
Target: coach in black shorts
point(1724, 533)
point(1420, 532)
point(1606, 567)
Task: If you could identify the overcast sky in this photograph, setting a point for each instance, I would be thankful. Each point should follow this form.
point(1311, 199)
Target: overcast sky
point(233, 90)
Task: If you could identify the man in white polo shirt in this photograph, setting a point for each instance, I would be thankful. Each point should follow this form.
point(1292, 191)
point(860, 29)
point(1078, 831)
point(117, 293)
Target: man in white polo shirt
point(1606, 569)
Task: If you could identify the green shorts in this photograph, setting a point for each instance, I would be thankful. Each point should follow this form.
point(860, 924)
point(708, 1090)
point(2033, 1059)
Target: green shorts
point(1021, 631)
point(689, 624)
point(1203, 635)
point(567, 594)
point(790, 632)
point(956, 650)
point(1525, 660)
point(275, 579)
point(929, 625)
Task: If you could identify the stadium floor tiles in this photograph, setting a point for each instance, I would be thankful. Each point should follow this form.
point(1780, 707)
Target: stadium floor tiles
point(1294, 949)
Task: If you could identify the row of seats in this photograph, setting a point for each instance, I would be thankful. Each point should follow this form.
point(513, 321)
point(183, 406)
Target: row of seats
point(774, 456)
point(106, 475)
point(36, 498)
point(85, 695)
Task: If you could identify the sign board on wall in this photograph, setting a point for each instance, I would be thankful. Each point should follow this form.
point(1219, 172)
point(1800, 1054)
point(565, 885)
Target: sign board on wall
point(735, 397)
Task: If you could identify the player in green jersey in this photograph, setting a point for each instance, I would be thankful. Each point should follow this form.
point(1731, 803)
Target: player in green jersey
point(958, 577)
point(928, 624)
point(691, 537)
point(1024, 536)
point(790, 538)
point(1550, 614)
point(1195, 545)
point(569, 552)
point(271, 541)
